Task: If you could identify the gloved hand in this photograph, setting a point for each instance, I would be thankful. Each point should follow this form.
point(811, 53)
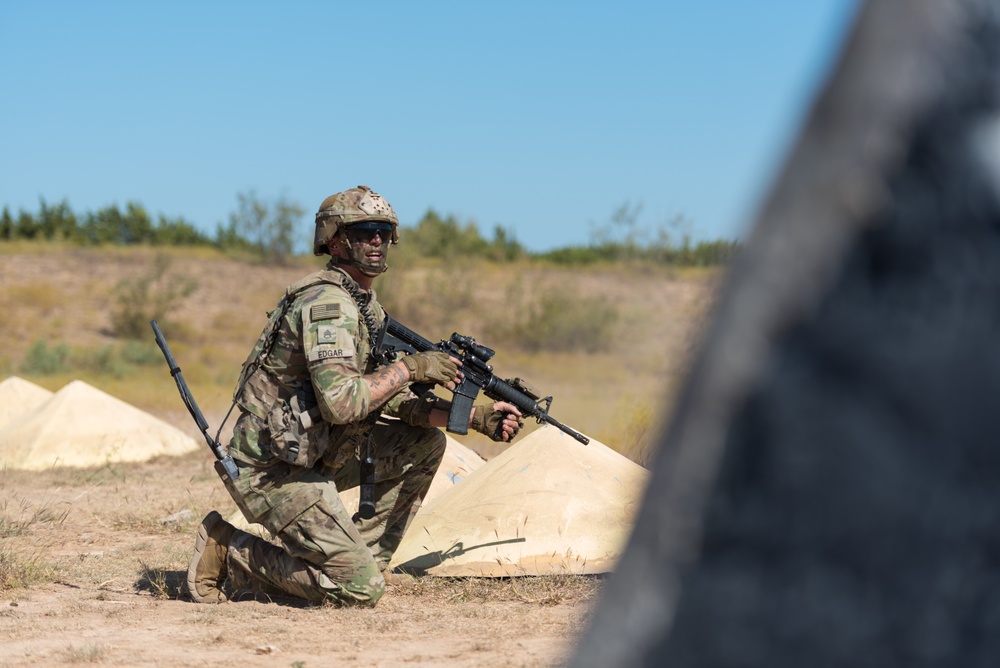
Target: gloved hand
point(431, 366)
point(500, 421)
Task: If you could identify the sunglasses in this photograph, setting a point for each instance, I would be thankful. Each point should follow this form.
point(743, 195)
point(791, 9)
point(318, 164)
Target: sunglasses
point(367, 231)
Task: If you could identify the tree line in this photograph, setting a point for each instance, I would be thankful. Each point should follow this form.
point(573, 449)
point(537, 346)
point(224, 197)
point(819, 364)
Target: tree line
point(271, 230)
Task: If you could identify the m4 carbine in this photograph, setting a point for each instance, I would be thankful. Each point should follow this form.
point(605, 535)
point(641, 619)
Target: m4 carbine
point(394, 339)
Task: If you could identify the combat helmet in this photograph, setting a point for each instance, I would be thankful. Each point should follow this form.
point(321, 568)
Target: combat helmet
point(357, 205)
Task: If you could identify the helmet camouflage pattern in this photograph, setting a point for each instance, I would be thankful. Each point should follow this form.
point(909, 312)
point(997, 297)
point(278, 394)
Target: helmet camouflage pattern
point(357, 205)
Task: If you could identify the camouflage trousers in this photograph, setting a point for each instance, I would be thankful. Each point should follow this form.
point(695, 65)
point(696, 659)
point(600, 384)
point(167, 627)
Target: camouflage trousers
point(327, 552)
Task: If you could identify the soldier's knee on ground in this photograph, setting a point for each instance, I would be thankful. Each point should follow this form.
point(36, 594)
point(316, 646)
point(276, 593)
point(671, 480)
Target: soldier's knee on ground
point(363, 588)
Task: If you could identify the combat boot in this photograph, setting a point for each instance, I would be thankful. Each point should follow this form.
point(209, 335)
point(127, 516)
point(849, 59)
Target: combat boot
point(207, 573)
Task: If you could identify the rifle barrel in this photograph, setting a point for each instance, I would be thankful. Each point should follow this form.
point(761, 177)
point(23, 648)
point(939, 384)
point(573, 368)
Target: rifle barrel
point(497, 389)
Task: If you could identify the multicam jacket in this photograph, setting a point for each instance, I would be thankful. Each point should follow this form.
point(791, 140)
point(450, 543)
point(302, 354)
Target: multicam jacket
point(307, 394)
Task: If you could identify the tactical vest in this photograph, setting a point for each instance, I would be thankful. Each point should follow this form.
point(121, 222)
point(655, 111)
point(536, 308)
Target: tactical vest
point(296, 431)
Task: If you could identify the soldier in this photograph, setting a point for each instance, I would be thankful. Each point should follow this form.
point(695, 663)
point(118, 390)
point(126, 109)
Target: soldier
point(310, 397)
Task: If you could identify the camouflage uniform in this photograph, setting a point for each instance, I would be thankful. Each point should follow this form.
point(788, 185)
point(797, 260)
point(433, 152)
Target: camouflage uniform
point(297, 442)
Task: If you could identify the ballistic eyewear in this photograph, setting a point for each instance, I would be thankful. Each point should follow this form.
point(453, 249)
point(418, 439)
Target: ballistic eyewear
point(366, 231)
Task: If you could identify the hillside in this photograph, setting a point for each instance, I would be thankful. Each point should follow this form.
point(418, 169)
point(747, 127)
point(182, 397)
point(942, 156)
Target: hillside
point(633, 327)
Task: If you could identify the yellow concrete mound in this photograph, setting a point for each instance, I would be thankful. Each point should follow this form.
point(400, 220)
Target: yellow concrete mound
point(459, 462)
point(81, 426)
point(547, 505)
point(19, 397)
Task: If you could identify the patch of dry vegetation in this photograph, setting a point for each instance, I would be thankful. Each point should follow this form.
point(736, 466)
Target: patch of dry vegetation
point(93, 561)
point(609, 342)
point(111, 546)
point(540, 590)
point(19, 515)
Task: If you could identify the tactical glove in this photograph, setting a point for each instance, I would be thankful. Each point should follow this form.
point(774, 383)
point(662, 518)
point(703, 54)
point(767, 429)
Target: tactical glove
point(431, 366)
point(487, 420)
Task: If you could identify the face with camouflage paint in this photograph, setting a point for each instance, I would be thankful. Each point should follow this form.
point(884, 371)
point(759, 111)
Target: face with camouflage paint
point(364, 247)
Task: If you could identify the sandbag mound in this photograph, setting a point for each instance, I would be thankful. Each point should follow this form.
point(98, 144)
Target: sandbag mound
point(458, 463)
point(81, 426)
point(18, 397)
point(547, 505)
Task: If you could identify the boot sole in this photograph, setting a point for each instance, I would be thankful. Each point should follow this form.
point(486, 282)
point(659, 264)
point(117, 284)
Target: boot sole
point(199, 548)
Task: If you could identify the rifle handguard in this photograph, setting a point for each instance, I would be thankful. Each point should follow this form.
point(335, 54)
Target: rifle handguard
point(486, 420)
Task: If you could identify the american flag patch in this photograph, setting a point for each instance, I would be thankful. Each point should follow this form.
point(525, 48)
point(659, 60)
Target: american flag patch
point(324, 312)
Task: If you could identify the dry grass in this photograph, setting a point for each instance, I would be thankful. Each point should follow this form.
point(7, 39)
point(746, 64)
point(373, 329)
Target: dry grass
point(24, 568)
point(100, 579)
point(624, 372)
point(97, 577)
point(42, 296)
point(88, 653)
point(19, 516)
point(541, 590)
point(161, 583)
point(88, 555)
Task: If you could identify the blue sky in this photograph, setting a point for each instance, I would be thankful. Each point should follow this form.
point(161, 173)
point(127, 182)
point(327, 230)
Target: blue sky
point(543, 118)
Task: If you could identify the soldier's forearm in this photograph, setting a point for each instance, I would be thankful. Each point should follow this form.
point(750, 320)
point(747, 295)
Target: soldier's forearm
point(439, 414)
point(386, 382)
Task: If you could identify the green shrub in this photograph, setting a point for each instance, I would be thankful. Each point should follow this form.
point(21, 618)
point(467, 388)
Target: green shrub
point(152, 296)
point(702, 254)
point(426, 302)
point(141, 353)
point(562, 322)
point(117, 361)
point(106, 361)
point(40, 360)
point(446, 238)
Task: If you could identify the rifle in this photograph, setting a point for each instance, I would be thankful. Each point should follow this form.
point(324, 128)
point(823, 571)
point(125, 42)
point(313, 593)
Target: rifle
point(394, 338)
point(224, 464)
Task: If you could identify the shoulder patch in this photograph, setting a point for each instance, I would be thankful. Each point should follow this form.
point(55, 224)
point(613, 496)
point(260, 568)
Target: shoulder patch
point(326, 334)
point(324, 312)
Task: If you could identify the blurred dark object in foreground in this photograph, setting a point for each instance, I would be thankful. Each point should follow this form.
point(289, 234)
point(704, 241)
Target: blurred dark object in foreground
point(828, 493)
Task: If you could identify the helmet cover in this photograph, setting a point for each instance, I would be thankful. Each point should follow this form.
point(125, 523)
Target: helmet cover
point(357, 205)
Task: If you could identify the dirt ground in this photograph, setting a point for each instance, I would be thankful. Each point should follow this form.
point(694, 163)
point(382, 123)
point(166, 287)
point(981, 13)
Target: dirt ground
point(92, 565)
point(92, 562)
